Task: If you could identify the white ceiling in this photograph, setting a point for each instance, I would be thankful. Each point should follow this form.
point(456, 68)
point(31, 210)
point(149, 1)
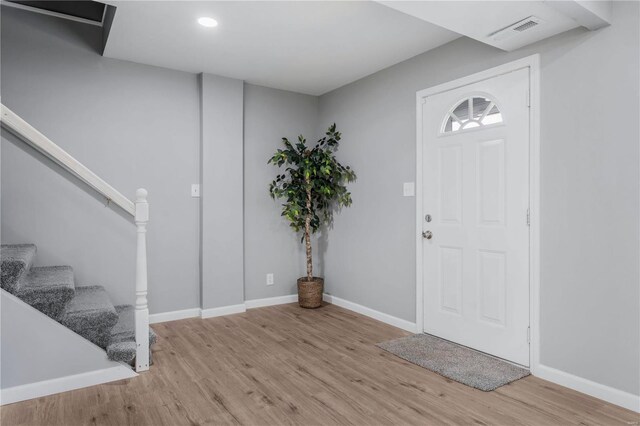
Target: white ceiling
point(307, 47)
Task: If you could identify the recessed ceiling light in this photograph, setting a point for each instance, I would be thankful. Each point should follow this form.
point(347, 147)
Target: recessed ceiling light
point(205, 21)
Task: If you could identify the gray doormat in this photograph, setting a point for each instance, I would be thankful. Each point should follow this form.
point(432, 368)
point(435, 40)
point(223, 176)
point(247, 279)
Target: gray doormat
point(464, 365)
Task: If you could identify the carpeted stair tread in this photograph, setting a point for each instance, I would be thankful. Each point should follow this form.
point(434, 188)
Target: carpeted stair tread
point(124, 330)
point(85, 310)
point(48, 289)
point(91, 314)
point(122, 351)
point(16, 261)
point(122, 346)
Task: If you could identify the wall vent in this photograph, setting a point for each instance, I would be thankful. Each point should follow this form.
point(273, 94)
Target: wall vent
point(516, 28)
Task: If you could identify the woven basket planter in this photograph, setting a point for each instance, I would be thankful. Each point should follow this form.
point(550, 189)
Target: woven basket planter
point(310, 292)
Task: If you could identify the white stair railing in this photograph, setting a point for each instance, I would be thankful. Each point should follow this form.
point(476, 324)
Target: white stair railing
point(138, 210)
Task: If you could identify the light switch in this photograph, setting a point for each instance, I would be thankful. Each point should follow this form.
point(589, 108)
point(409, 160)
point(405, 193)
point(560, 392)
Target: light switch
point(409, 189)
point(195, 190)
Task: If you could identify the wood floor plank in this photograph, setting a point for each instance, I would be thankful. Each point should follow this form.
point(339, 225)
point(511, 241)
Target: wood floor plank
point(283, 365)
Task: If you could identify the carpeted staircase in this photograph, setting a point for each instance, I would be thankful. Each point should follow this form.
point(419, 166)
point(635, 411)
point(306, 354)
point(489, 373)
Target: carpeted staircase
point(88, 311)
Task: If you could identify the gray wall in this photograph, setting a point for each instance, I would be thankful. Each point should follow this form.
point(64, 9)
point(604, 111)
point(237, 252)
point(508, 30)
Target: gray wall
point(221, 215)
point(133, 125)
point(270, 245)
point(137, 125)
point(590, 188)
point(41, 349)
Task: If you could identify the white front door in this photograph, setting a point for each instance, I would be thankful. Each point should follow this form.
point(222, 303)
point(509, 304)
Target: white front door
point(475, 215)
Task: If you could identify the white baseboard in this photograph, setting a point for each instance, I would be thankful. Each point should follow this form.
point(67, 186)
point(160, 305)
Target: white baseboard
point(78, 381)
point(377, 315)
point(271, 301)
point(64, 384)
point(174, 315)
point(280, 300)
point(597, 390)
point(223, 310)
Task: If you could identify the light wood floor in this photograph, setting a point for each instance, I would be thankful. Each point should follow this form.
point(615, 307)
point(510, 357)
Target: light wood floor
point(286, 365)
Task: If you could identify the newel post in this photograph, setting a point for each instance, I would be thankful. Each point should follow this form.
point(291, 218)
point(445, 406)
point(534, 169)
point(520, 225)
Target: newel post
point(142, 309)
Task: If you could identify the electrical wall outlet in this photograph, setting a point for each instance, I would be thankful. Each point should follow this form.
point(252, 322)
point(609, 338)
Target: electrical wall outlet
point(269, 279)
point(195, 190)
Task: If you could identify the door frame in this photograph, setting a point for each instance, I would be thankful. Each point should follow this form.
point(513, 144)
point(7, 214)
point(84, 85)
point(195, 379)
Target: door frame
point(533, 64)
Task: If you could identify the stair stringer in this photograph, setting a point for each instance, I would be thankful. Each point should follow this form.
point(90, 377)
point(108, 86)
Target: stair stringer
point(40, 356)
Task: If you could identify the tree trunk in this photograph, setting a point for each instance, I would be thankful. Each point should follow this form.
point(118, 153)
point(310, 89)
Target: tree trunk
point(307, 236)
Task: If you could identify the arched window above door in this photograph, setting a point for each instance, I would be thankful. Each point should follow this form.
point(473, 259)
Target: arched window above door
point(472, 112)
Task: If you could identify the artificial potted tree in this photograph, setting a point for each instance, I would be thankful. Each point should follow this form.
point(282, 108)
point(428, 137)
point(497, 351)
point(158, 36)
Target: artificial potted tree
point(313, 186)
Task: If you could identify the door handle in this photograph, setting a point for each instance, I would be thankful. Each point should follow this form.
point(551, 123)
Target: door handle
point(427, 234)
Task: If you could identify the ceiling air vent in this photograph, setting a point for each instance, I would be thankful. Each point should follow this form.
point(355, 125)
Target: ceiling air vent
point(516, 28)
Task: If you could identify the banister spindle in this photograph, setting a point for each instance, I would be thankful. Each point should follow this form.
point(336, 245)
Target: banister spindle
point(142, 309)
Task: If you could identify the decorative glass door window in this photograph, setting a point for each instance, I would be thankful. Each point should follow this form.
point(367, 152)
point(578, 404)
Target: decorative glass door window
point(472, 112)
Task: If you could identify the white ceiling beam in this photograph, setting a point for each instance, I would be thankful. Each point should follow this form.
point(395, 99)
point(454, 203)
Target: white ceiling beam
point(590, 14)
point(481, 20)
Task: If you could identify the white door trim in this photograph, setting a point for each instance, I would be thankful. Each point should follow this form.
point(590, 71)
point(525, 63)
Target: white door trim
point(533, 63)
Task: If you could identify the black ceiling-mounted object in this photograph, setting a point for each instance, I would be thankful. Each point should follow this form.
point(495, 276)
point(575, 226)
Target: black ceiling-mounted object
point(88, 11)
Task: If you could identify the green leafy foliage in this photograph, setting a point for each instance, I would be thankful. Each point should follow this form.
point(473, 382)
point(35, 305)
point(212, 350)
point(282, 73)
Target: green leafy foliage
point(311, 173)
